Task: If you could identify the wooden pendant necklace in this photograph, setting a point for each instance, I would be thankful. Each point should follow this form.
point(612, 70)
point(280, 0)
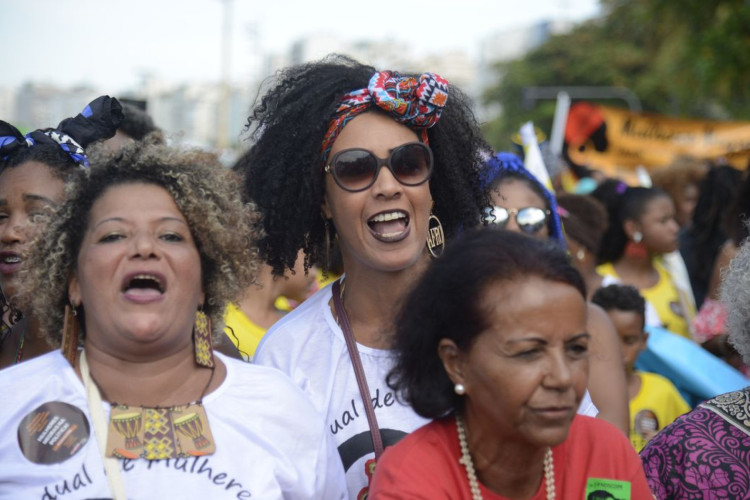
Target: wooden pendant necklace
point(153, 433)
point(465, 460)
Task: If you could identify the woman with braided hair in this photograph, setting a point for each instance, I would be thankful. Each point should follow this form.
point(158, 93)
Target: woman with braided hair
point(33, 171)
point(386, 167)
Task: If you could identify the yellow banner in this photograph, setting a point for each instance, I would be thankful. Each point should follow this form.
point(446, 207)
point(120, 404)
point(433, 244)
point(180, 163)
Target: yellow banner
point(617, 141)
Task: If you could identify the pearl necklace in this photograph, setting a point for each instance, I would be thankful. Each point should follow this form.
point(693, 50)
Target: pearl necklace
point(465, 460)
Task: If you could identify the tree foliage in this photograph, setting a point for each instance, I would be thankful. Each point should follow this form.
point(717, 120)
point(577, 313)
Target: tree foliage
point(689, 58)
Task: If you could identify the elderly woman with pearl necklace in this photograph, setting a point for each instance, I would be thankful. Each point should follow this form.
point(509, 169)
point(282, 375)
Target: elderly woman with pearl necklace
point(501, 366)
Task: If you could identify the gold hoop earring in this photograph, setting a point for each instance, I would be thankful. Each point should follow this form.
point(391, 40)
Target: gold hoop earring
point(435, 237)
point(203, 344)
point(326, 225)
point(70, 334)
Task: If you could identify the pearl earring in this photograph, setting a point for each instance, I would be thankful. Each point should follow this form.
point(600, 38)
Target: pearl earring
point(460, 389)
point(637, 236)
point(580, 254)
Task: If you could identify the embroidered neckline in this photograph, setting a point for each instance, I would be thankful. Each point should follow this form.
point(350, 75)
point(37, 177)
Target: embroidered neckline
point(734, 407)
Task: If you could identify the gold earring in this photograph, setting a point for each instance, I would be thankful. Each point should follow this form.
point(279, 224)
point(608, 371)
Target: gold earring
point(435, 237)
point(326, 225)
point(70, 333)
point(202, 340)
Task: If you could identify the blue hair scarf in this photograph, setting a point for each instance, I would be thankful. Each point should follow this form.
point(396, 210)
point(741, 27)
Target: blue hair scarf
point(99, 120)
point(500, 164)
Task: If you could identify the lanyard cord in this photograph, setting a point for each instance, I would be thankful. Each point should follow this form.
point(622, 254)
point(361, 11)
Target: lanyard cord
point(111, 465)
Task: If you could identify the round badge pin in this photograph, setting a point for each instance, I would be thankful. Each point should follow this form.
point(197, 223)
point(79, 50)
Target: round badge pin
point(53, 433)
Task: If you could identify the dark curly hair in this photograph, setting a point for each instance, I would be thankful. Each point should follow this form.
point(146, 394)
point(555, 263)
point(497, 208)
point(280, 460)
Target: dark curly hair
point(622, 203)
point(284, 173)
point(448, 303)
point(136, 124)
point(622, 298)
point(205, 193)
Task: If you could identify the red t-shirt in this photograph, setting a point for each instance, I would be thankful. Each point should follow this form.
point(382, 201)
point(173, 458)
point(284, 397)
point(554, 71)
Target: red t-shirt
point(596, 461)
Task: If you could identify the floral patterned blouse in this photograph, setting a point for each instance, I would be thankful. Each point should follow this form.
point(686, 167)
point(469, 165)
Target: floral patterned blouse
point(705, 454)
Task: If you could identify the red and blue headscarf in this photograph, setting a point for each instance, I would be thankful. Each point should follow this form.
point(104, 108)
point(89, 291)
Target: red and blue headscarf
point(415, 102)
point(98, 120)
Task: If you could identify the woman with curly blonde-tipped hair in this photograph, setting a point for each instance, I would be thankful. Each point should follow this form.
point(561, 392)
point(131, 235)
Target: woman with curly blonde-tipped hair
point(137, 267)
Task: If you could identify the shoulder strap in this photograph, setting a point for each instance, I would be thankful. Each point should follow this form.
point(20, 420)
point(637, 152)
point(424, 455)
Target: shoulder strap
point(364, 391)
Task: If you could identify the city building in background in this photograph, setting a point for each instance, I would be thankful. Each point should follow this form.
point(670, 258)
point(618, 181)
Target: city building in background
point(191, 114)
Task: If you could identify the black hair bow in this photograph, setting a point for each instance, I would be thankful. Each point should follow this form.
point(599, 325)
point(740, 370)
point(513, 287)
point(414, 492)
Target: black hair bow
point(99, 120)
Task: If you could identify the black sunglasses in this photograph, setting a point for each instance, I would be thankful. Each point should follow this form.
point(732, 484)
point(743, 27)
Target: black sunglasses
point(530, 219)
point(357, 169)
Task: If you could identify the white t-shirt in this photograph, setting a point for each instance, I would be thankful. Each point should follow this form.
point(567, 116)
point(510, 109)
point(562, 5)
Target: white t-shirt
point(309, 346)
point(269, 443)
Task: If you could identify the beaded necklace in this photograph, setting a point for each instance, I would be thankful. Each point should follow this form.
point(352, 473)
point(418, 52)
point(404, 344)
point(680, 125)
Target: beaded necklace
point(465, 460)
point(6, 330)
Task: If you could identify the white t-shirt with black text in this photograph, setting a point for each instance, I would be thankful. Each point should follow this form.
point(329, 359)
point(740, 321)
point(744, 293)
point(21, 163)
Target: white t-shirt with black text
point(269, 442)
point(308, 345)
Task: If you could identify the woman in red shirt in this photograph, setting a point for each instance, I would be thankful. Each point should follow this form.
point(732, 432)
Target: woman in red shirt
point(501, 365)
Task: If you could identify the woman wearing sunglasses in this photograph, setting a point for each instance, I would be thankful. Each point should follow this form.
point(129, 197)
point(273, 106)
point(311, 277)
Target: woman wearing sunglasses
point(521, 203)
point(386, 167)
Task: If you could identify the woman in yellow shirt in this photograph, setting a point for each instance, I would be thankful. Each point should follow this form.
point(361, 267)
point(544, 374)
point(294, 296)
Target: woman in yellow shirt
point(642, 228)
point(265, 302)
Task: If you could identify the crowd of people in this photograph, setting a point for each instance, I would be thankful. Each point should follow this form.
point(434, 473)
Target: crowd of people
point(370, 303)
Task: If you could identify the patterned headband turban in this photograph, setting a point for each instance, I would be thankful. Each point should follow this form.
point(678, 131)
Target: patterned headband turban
point(99, 120)
point(415, 102)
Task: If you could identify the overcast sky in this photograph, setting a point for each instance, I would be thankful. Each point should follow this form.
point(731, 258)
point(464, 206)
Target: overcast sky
point(112, 44)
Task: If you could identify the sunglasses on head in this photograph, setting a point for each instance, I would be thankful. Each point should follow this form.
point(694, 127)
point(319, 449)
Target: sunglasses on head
point(357, 169)
point(529, 219)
